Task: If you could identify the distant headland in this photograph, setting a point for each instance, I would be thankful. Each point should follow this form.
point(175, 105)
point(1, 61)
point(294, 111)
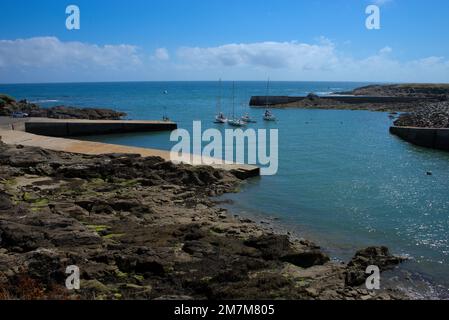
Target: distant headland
point(386, 98)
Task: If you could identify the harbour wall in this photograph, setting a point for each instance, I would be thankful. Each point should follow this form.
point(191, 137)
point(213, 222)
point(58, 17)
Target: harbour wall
point(259, 101)
point(434, 138)
point(67, 128)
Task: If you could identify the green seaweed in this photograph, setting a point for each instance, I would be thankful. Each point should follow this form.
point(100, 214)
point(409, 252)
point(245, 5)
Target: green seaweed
point(127, 183)
point(29, 197)
point(98, 228)
point(10, 182)
point(96, 181)
point(113, 236)
point(121, 274)
point(139, 277)
point(42, 202)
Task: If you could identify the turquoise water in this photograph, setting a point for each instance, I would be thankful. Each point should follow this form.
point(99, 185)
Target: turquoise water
point(343, 180)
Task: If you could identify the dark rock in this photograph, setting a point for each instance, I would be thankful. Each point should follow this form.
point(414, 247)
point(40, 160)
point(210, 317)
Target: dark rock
point(69, 238)
point(64, 112)
point(198, 248)
point(306, 259)
point(271, 246)
point(313, 97)
point(125, 205)
point(140, 264)
point(376, 256)
point(20, 237)
point(45, 265)
point(5, 202)
point(8, 106)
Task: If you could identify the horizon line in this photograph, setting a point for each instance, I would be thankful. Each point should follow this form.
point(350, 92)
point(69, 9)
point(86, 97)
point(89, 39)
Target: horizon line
point(193, 81)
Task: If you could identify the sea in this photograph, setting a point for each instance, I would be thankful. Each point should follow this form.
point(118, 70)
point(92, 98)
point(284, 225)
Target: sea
point(343, 180)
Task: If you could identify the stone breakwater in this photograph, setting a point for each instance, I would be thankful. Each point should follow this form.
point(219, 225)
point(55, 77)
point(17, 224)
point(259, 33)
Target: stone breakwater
point(313, 101)
point(9, 105)
point(143, 228)
point(427, 126)
point(434, 115)
point(384, 98)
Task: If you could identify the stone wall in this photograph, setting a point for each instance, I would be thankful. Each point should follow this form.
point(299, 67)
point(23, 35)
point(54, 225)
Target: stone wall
point(70, 128)
point(425, 137)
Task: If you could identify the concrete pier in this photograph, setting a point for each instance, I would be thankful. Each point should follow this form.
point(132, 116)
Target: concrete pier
point(15, 137)
point(70, 127)
point(435, 138)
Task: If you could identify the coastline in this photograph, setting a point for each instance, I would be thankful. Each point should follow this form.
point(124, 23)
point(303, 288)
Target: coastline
point(92, 212)
point(341, 271)
point(382, 98)
point(414, 283)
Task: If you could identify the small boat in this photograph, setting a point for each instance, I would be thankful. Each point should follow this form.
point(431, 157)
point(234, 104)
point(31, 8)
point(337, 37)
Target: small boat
point(220, 118)
point(268, 115)
point(234, 121)
point(165, 117)
point(246, 118)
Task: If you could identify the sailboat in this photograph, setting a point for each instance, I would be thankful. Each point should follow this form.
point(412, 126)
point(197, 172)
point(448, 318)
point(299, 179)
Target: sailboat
point(165, 117)
point(268, 115)
point(220, 117)
point(246, 118)
point(234, 121)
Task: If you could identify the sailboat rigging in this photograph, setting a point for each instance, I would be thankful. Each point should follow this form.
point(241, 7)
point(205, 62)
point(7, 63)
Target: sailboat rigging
point(220, 117)
point(235, 122)
point(268, 115)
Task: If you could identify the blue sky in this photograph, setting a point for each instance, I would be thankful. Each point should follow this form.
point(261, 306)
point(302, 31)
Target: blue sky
point(233, 39)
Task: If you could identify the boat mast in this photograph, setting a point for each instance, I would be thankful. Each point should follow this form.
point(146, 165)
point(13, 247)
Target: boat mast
point(268, 91)
point(219, 97)
point(233, 99)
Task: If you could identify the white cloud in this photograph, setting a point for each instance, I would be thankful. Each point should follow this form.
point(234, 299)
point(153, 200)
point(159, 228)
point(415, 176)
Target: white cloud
point(272, 55)
point(49, 59)
point(293, 61)
point(385, 50)
point(381, 2)
point(161, 54)
point(51, 53)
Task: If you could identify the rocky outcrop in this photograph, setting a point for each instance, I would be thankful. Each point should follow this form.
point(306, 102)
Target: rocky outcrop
point(438, 91)
point(8, 106)
point(383, 98)
point(142, 228)
point(434, 115)
point(372, 256)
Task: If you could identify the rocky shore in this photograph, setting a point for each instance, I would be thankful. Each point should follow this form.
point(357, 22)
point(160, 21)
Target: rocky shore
point(404, 98)
point(434, 115)
point(142, 228)
point(9, 105)
point(438, 91)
